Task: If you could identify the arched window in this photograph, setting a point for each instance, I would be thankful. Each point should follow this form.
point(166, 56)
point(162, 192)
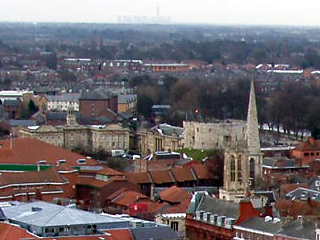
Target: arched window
point(233, 168)
point(240, 168)
point(252, 168)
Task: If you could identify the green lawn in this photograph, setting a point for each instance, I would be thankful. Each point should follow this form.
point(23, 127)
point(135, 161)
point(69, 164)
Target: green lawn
point(197, 154)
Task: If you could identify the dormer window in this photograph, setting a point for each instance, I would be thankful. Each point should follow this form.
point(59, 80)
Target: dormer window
point(42, 162)
point(81, 161)
point(60, 161)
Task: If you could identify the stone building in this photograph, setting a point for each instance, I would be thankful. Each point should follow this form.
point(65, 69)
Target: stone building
point(72, 135)
point(243, 157)
point(212, 135)
point(162, 137)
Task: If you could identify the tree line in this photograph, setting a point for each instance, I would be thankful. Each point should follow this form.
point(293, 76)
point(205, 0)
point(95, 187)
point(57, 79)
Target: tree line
point(292, 106)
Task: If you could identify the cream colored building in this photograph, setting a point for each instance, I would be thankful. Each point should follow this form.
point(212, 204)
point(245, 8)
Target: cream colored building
point(174, 220)
point(71, 136)
point(212, 135)
point(162, 137)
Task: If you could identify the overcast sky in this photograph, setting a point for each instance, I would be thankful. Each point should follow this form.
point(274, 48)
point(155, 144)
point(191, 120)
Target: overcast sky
point(271, 12)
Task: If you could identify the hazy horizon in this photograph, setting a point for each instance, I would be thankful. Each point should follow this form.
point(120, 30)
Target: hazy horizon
point(216, 12)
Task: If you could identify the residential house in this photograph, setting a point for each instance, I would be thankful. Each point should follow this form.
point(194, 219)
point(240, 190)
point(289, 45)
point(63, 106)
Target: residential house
point(63, 102)
point(127, 102)
point(307, 151)
point(281, 170)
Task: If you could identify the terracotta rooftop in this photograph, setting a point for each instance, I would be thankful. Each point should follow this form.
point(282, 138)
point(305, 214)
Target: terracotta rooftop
point(10, 232)
point(202, 172)
point(109, 172)
point(120, 234)
point(31, 151)
point(128, 197)
point(138, 177)
point(162, 176)
point(174, 194)
point(98, 183)
point(309, 145)
point(286, 188)
point(46, 176)
point(183, 174)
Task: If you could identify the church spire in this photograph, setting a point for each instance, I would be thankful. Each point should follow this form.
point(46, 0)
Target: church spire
point(252, 133)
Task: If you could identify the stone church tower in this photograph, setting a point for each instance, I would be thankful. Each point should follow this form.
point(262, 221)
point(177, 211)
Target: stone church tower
point(243, 158)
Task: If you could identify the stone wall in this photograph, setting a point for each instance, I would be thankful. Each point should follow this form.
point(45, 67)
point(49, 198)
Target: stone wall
point(212, 135)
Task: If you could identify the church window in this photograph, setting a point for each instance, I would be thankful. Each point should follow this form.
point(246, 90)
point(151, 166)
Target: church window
point(252, 168)
point(239, 169)
point(233, 168)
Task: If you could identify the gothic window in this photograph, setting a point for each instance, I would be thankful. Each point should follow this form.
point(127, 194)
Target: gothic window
point(233, 168)
point(252, 168)
point(240, 168)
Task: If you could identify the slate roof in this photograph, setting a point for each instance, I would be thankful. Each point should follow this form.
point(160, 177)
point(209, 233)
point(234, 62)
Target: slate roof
point(47, 214)
point(299, 230)
point(96, 95)
point(260, 224)
point(155, 233)
point(303, 194)
point(65, 97)
point(11, 103)
point(127, 98)
point(23, 123)
point(276, 162)
point(220, 207)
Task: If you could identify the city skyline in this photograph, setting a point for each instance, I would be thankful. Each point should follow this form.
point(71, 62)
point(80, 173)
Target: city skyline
point(247, 12)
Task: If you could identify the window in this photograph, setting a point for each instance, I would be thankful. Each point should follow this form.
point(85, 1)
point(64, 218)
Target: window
point(174, 225)
point(233, 168)
point(81, 161)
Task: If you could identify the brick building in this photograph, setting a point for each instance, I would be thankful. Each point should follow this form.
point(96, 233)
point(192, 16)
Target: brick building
point(97, 103)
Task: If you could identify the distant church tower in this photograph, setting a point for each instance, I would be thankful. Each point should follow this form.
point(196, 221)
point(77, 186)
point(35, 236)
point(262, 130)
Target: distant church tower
point(71, 117)
point(243, 158)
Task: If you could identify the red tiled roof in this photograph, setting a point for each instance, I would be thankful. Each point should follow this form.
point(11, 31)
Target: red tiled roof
point(202, 172)
point(91, 182)
point(109, 172)
point(47, 176)
point(183, 174)
point(98, 183)
point(31, 150)
point(139, 177)
point(286, 188)
point(10, 232)
point(162, 176)
point(128, 197)
point(308, 146)
point(157, 207)
point(174, 194)
point(178, 208)
point(117, 193)
point(295, 208)
point(120, 234)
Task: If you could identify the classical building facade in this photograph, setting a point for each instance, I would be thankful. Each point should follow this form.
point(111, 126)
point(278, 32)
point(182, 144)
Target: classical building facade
point(243, 157)
point(72, 135)
point(162, 137)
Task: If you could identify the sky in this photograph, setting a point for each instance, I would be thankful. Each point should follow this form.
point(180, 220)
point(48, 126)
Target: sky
point(251, 12)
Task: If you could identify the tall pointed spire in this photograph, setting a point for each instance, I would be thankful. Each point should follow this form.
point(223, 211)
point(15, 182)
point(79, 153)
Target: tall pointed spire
point(252, 133)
